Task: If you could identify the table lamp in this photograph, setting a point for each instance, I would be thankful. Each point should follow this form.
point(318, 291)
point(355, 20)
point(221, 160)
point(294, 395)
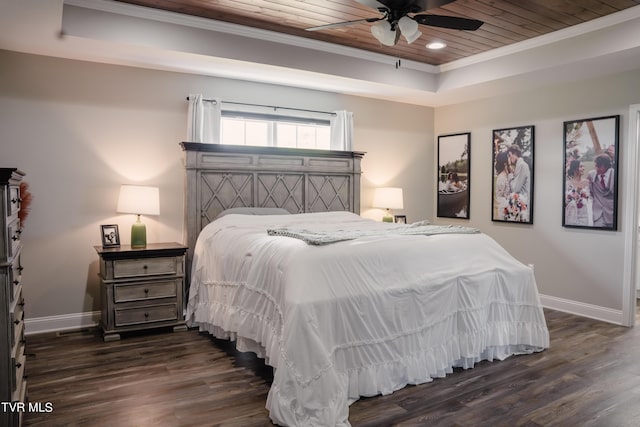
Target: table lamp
point(388, 198)
point(139, 200)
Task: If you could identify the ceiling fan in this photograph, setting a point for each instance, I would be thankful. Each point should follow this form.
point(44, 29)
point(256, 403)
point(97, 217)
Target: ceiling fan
point(395, 19)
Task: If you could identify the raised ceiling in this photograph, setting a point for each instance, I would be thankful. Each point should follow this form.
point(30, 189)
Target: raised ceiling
point(117, 32)
point(505, 22)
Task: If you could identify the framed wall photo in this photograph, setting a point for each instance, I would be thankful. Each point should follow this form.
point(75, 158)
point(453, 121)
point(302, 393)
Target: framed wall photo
point(590, 178)
point(400, 219)
point(512, 186)
point(454, 173)
point(110, 236)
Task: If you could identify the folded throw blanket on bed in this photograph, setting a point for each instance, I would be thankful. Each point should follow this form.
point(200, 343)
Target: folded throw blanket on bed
point(325, 237)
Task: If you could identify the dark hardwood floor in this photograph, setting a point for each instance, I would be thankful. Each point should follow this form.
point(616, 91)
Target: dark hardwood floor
point(589, 377)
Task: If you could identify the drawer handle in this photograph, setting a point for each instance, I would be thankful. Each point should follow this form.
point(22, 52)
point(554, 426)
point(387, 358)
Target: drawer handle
point(16, 200)
point(16, 282)
point(18, 365)
point(21, 304)
point(146, 316)
point(145, 266)
point(146, 292)
point(23, 341)
point(19, 231)
point(20, 269)
point(16, 322)
point(15, 237)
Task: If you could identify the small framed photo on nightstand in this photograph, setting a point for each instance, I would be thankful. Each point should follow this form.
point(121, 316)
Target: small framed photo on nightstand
point(400, 219)
point(110, 236)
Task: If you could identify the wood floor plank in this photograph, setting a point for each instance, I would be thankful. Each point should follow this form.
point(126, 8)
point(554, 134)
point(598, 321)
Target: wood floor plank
point(589, 377)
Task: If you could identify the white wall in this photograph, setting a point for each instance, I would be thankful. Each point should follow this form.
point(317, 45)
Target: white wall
point(583, 266)
point(81, 129)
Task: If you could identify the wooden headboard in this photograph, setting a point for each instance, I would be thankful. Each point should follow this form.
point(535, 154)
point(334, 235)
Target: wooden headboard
point(220, 177)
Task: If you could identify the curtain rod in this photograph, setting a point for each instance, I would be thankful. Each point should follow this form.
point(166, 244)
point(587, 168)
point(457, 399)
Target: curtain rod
point(269, 106)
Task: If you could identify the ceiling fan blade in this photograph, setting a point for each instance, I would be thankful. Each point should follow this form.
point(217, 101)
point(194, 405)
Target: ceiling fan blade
point(372, 4)
point(413, 6)
point(343, 24)
point(433, 4)
point(452, 22)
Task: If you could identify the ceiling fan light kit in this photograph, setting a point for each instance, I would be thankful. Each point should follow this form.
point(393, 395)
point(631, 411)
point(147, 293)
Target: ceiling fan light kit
point(396, 20)
point(384, 33)
point(409, 29)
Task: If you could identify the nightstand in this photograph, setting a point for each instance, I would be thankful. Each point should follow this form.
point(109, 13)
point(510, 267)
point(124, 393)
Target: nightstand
point(141, 288)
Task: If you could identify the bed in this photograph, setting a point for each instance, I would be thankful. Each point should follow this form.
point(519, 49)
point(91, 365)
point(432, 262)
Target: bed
point(339, 305)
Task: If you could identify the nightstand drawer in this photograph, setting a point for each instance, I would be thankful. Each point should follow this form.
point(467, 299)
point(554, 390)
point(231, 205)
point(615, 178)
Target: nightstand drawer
point(144, 266)
point(143, 291)
point(135, 316)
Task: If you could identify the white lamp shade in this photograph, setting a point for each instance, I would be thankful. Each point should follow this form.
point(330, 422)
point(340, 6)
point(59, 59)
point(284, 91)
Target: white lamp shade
point(382, 31)
point(388, 198)
point(139, 200)
point(409, 29)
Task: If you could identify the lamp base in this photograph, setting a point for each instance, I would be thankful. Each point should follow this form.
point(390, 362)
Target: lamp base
point(138, 235)
point(387, 217)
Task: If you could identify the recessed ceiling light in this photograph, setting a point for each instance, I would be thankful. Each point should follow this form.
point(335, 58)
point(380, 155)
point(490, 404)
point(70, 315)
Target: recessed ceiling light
point(436, 45)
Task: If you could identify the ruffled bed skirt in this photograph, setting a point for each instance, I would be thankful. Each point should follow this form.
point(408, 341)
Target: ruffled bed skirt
point(373, 368)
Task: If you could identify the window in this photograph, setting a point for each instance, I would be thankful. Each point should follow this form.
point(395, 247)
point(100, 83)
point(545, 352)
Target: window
point(270, 130)
point(213, 121)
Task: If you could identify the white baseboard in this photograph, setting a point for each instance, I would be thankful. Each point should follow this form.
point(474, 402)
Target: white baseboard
point(581, 309)
point(90, 319)
point(63, 322)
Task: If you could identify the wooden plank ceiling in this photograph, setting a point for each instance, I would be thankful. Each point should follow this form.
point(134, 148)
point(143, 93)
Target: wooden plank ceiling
point(505, 21)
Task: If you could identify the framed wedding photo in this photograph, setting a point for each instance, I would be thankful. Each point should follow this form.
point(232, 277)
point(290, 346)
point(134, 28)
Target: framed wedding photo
point(454, 173)
point(110, 236)
point(590, 176)
point(512, 185)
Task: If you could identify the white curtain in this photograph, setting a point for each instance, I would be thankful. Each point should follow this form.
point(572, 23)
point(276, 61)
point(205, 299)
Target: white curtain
point(342, 131)
point(203, 120)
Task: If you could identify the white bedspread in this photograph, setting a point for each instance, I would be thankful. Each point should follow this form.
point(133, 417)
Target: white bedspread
point(360, 317)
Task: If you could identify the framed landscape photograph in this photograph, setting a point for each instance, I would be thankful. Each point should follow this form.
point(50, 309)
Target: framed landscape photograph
point(590, 176)
point(512, 187)
point(110, 236)
point(454, 166)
